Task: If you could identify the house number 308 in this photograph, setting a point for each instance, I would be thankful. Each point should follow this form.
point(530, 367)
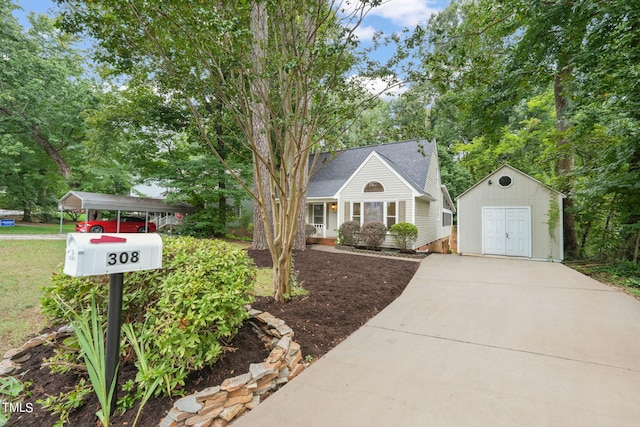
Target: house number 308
point(115, 258)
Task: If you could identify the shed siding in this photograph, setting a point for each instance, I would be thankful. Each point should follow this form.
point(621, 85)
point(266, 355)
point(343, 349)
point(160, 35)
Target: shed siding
point(523, 192)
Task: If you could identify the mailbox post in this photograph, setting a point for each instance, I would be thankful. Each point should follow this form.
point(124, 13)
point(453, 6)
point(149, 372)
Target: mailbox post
point(113, 254)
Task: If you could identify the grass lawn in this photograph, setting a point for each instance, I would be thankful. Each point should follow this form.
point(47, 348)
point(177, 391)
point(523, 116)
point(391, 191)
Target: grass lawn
point(38, 229)
point(25, 267)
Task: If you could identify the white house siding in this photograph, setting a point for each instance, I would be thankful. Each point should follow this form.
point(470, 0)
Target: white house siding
point(523, 192)
point(345, 211)
point(427, 228)
point(430, 213)
point(375, 170)
point(395, 190)
point(432, 184)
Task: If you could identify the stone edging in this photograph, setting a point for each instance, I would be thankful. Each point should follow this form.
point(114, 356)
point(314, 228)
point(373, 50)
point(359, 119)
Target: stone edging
point(379, 253)
point(12, 359)
point(217, 406)
point(213, 406)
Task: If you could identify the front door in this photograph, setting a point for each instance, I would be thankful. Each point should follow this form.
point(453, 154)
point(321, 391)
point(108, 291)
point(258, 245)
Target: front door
point(506, 231)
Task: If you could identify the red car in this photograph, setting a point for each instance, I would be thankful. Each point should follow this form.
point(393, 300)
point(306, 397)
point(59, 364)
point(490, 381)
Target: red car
point(128, 224)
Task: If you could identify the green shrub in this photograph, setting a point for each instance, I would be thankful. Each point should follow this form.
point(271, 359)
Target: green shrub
point(180, 312)
point(405, 234)
point(348, 233)
point(309, 230)
point(372, 234)
point(91, 337)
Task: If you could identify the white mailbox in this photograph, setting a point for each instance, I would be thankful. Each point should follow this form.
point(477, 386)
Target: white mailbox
point(91, 254)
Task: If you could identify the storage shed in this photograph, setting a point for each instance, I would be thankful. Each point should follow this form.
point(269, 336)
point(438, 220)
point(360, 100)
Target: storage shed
point(509, 213)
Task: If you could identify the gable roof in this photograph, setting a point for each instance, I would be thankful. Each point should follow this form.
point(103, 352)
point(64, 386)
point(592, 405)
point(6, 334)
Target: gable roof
point(409, 159)
point(447, 198)
point(507, 166)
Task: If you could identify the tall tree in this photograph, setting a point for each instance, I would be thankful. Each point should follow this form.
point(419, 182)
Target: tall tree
point(496, 53)
point(149, 132)
point(485, 58)
point(207, 51)
point(607, 115)
point(43, 97)
point(263, 217)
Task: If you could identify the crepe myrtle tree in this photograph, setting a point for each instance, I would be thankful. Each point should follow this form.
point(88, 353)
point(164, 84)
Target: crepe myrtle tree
point(283, 69)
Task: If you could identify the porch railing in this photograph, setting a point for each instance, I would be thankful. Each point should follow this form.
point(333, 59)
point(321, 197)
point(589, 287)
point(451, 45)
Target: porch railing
point(320, 230)
point(166, 220)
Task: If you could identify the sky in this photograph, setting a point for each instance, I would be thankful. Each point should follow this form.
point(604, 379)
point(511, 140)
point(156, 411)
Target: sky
point(394, 15)
point(390, 17)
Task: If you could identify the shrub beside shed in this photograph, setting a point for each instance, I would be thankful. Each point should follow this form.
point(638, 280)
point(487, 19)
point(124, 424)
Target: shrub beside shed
point(509, 213)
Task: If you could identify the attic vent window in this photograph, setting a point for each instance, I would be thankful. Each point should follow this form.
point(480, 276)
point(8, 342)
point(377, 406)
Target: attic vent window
point(373, 187)
point(505, 181)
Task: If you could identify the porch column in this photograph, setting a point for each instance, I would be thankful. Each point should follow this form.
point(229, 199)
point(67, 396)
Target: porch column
point(324, 219)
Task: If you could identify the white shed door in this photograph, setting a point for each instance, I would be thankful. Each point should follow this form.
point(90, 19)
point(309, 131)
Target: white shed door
point(506, 231)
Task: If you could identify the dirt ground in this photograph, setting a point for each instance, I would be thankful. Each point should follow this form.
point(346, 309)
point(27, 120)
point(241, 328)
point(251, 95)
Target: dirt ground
point(344, 292)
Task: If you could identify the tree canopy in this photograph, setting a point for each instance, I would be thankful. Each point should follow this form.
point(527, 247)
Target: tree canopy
point(217, 99)
point(540, 84)
point(280, 70)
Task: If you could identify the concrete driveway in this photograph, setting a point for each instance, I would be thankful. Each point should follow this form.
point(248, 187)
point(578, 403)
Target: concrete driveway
point(478, 342)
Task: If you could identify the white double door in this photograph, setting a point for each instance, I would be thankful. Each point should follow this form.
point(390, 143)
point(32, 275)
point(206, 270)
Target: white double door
point(506, 231)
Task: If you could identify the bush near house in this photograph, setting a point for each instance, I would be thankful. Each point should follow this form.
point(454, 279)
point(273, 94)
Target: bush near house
point(309, 230)
point(348, 233)
point(405, 234)
point(180, 313)
point(372, 234)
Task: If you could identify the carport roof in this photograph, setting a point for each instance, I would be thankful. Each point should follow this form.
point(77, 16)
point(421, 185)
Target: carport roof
point(111, 202)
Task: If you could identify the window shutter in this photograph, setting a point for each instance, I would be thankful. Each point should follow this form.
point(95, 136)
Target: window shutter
point(347, 211)
point(402, 211)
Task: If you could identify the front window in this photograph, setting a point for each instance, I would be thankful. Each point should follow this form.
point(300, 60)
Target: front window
point(373, 212)
point(356, 213)
point(384, 212)
point(318, 217)
point(391, 214)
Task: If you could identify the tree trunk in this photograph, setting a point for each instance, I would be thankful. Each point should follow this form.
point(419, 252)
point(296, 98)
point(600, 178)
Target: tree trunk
point(637, 248)
point(26, 214)
point(52, 152)
point(632, 200)
point(300, 243)
point(564, 164)
point(261, 183)
point(585, 235)
point(63, 167)
point(222, 199)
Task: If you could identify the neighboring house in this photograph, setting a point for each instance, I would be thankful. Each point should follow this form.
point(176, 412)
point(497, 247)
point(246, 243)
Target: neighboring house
point(389, 183)
point(510, 213)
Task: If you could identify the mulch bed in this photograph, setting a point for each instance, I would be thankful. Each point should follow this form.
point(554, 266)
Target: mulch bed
point(345, 291)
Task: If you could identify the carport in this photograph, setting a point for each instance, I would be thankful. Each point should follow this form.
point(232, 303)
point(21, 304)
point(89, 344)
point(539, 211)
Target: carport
point(80, 200)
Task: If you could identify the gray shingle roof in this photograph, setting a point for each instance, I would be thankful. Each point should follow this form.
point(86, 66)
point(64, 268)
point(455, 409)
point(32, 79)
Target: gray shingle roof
point(410, 159)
